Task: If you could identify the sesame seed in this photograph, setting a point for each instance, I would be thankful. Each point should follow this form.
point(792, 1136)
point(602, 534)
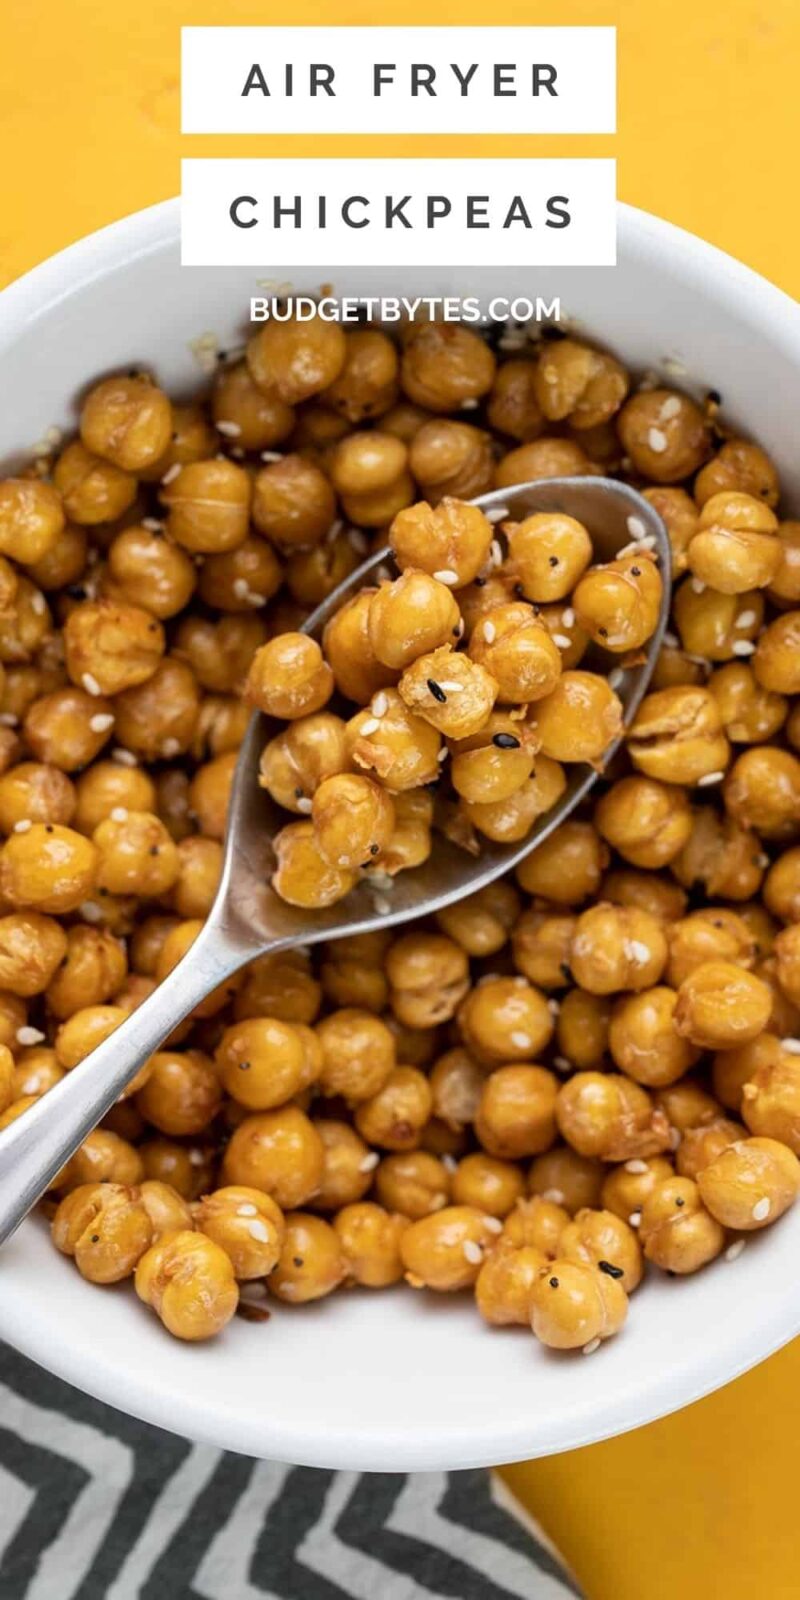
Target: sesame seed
point(672, 640)
point(446, 575)
point(746, 619)
point(674, 367)
point(38, 604)
point(657, 440)
point(561, 1064)
point(170, 748)
point(493, 1224)
point(521, 1041)
point(90, 684)
point(553, 1006)
point(124, 758)
point(489, 632)
point(472, 1252)
point(511, 341)
point(744, 647)
point(380, 704)
point(231, 430)
point(568, 617)
point(258, 1230)
point(101, 722)
point(382, 906)
point(8, 719)
point(469, 405)
point(172, 473)
point(637, 950)
point(152, 524)
point(698, 586)
point(636, 527)
point(734, 1250)
point(119, 814)
point(636, 1166)
point(674, 1138)
point(271, 455)
point(670, 408)
point(791, 1046)
point(241, 588)
point(23, 825)
point(635, 1218)
point(562, 640)
point(589, 1349)
point(437, 691)
point(247, 1210)
point(369, 1162)
point(90, 912)
point(196, 1158)
point(370, 726)
point(29, 1036)
point(304, 806)
point(555, 1196)
point(616, 677)
point(443, 754)
point(496, 553)
point(451, 686)
point(357, 539)
point(497, 514)
point(449, 1163)
point(506, 741)
point(710, 777)
point(761, 1209)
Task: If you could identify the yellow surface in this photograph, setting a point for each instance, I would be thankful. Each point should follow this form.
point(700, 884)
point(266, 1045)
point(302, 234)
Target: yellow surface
point(704, 1502)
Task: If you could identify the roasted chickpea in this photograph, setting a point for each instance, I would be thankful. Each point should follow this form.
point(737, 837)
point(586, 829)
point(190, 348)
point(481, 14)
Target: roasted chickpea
point(618, 604)
point(518, 651)
point(313, 574)
point(451, 458)
point(714, 933)
point(493, 764)
point(488, 1183)
point(739, 467)
point(736, 547)
point(452, 693)
point(665, 434)
point(413, 1183)
point(358, 1054)
point(604, 1240)
point(31, 518)
point(445, 366)
point(576, 383)
point(47, 868)
point(409, 617)
point(481, 923)
point(647, 891)
point(762, 791)
point(451, 541)
point(582, 1027)
point(720, 855)
point(288, 677)
point(280, 985)
point(363, 463)
point(678, 512)
point(91, 490)
point(567, 867)
point(369, 1238)
point(312, 1262)
point(146, 570)
point(627, 1187)
point(512, 406)
point(35, 792)
point(182, 1093)
point(770, 1097)
point(677, 736)
point(606, 1115)
point(293, 503)
point(445, 1251)
point(302, 875)
point(647, 822)
point(366, 386)
point(505, 1020)
point(541, 944)
point(353, 820)
point(509, 821)
point(505, 1282)
point(67, 728)
point(543, 458)
point(189, 1282)
point(110, 646)
point(516, 1112)
point(200, 868)
point(677, 1233)
point(357, 672)
point(784, 589)
point(456, 1082)
point(105, 1228)
point(84, 1031)
point(537, 1222)
point(395, 1115)
point(352, 972)
point(349, 1165)
point(787, 957)
point(263, 1062)
point(31, 948)
point(220, 653)
point(578, 719)
point(253, 419)
point(714, 626)
point(277, 1151)
point(208, 505)
point(776, 662)
point(187, 1169)
point(617, 947)
point(135, 854)
point(247, 1225)
point(700, 1146)
point(721, 1005)
point(572, 1305)
point(104, 1157)
point(167, 1210)
point(643, 1040)
point(295, 360)
point(781, 886)
point(751, 1183)
point(749, 713)
point(301, 757)
point(128, 421)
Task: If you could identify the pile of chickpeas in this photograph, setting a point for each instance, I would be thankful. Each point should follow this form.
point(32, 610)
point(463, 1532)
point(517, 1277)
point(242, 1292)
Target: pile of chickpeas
point(561, 1080)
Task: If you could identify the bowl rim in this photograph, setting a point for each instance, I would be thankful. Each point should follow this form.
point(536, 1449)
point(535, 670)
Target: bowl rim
point(653, 1394)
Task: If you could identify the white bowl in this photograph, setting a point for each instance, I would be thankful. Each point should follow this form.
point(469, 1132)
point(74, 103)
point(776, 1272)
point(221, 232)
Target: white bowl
point(398, 1381)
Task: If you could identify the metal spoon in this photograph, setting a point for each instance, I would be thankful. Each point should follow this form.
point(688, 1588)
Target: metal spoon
point(247, 919)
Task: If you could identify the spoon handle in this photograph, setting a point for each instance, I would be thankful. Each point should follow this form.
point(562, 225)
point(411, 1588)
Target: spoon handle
point(35, 1146)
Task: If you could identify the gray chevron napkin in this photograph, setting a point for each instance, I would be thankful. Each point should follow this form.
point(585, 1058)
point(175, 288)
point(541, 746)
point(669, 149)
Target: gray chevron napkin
point(97, 1506)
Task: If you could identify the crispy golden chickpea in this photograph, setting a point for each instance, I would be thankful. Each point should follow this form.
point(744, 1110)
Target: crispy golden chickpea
point(400, 747)
point(35, 792)
point(221, 726)
point(295, 360)
point(751, 1183)
point(582, 1027)
point(456, 1082)
point(409, 617)
point(505, 1282)
point(366, 386)
point(736, 547)
point(770, 1098)
point(604, 1114)
point(721, 856)
point(369, 1238)
point(302, 875)
point(739, 467)
point(540, 459)
point(700, 1146)
point(395, 1115)
point(110, 646)
point(537, 1222)
point(353, 819)
point(488, 1183)
point(677, 736)
point(541, 943)
point(105, 1228)
point(288, 677)
point(313, 574)
point(247, 1225)
point(713, 626)
point(512, 406)
point(92, 490)
point(277, 1151)
point(509, 821)
point(784, 589)
point(293, 503)
point(248, 416)
point(413, 1183)
point(200, 861)
point(280, 985)
point(356, 669)
point(186, 1169)
point(104, 1157)
point(47, 868)
point(750, 714)
point(107, 785)
point(787, 956)
point(445, 1251)
point(493, 764)
point(626, 1187)
point(189, 1282)
point(721, 1005)
point(349, 1165)
point(781, 885)
point(182, 1093)
point(713, 933)
point(678, 512)
point(193, 439)
point(136, 854)
point(677, 1233)
point(776, 661)
point(352, 972)
point(647, 822)
point(762, 791)
point(576, 383)
point(208, 505)
point(617, 947)
point(362, 463)
point(660, 896)
point(128, 421)
point(167, 1210)
point(25, 625)
point(516, 1112)
point(358, 1054)
point(219, 653)
point(16, 1109)
point(84, 1031)
point(643, 1040)
point(156, 720)
point(301, 757)
point(618, 604)
point(31, 948)
point(146, 570)
point(450, 541)
point(665, 434)
point(482, 922)
point(574, 1305)
point(445, 366)
point(263, 1062)
point(451, 458)
point(567, 867)
point(732, 1069)
point(31, 518)
point(515, 647)
point(578, 719)
point(505, 1020)
point(604, 1240)
point(312, 1262)
point(451, 692)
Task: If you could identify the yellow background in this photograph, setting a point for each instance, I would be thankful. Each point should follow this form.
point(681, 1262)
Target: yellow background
point(708, 114)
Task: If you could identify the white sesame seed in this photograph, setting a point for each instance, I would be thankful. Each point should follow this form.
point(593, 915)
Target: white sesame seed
point(38, 603)
point(657, 440)
point(635, 1218)
point(271, 455)
point(709, 777)
point(443, 754)
point(746, 619)
point(382, 906)
point(562, 640)
point(247, 1210)
point(8, 719)
point(231, 430)
point(241, 588)
point(23, 825)
point(761, 1209)
point(744, 647)
point(670, 408)
point(370, 726)
point(589, 1349)
point(304, 806)
point(172, 473)
point(635, 1166)
point(561, 1064)
point(555, 1196)
point(568, 617)
point(124, 758)
point(521, 1041)
point(636, 527)
point(334, 530)
point(29, 1036)
point(791, 1046)
point(196, 1158)
point(493, 1224)
point(497, 514)
point(616, 677)
point(637, 950)
point(489, 632)
point(672, 640)
point(170, 748)
point(90, 911)
point(90, 684)
point(119, 814)
point(446, 575)
point(258, 1230)
point(472, 1252)
point(511, 341)
point(470, 405)
point(496, 553)
point(101, 722)
point(379, 704)
point(674, 367)
point(698, 586)
point(451, 686)
point(152, 524)
point(369, 1162)
point(554, 1006)
point(449, 1163)
point(734, 1250)
point(358, 540)
point(762, 860)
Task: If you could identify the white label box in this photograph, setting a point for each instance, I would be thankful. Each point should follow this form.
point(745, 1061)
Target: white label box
point(398, 80)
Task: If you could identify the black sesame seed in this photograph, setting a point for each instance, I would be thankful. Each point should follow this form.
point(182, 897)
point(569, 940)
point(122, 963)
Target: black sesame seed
point(608, 1267)
point(554, 1283)
point(154, 850)
point(679, 1201)
point(603, 632)
point(437, 691)
point(505, 741)
point(479, 583)
point(298, 794)
point(48, 827)
point(95, 1238)
point(636, 572)
point(715, 397)
point(244, 1066)
point(374, 849)
point(76, 591)
point(298, 1261)
point(553, 560)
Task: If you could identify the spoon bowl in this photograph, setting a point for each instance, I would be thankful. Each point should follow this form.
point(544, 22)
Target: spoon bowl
point(248, 919)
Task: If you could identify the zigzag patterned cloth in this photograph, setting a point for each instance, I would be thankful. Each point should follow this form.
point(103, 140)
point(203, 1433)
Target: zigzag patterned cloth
point(97, 1506)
